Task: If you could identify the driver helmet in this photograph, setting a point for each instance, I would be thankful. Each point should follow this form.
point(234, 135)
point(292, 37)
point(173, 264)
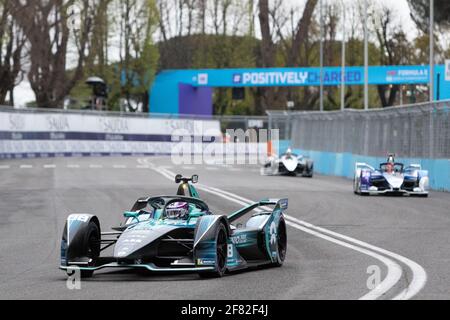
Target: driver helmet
point(391, 159)
point(289, 153)
point(390, 168)
point(177, 210)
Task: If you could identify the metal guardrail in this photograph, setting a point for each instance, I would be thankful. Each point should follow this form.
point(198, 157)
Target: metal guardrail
point(413, 131)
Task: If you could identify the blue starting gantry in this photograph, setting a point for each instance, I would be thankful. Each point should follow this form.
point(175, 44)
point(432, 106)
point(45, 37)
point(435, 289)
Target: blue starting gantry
point(191, 91)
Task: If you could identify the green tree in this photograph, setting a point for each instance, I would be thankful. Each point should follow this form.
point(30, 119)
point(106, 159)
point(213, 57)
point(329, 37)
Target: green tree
point(12, 42)
point(420, 13)
point(136, 69)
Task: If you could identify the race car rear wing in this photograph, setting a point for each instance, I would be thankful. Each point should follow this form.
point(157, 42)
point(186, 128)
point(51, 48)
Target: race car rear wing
point(280, 204)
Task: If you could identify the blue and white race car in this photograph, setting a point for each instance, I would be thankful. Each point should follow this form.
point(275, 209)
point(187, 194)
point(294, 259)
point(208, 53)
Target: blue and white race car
point(391, 179)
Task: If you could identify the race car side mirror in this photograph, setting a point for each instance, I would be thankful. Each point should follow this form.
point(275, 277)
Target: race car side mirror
point(195, 179)
point(178, 178)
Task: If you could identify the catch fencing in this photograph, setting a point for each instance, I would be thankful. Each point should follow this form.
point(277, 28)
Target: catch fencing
point(417, 131)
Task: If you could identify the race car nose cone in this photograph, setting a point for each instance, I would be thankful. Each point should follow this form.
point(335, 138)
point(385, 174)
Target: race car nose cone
point(134, 240)
point(125, 252)
point(290, 164)
point(131, 242)
point(394, 181)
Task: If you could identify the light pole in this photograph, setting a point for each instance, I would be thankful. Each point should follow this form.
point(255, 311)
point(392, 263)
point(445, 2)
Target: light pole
point(321, 56)
point(366, 58)
point(431, 50)
point(343, 58)
point(431, 142)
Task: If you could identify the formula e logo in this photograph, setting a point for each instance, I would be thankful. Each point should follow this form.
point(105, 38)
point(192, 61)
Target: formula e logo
point(273, 234)
point(203, 79)
point(237, 78)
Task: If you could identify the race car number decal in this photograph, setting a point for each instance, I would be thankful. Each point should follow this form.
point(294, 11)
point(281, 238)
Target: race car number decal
point(273, 233)
point(230, 251)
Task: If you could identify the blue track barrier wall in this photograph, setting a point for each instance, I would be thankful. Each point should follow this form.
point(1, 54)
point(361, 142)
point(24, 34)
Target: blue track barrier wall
point(343, 165)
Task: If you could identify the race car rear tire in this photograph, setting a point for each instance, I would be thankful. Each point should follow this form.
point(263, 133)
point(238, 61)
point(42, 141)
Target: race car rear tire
point(92, 248)
point(221, 254)
point(282, 244)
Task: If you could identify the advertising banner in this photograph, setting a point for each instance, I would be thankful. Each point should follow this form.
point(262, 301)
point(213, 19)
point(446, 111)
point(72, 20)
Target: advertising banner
point(447, 70)
point(33, 135)
point(332, 76)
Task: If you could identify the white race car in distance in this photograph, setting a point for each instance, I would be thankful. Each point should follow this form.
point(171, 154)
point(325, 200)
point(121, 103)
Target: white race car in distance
point(289, 164)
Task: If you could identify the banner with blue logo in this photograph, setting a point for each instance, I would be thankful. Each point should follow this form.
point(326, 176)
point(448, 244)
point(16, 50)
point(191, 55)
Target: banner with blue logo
point(166, 98)
point(332, 76)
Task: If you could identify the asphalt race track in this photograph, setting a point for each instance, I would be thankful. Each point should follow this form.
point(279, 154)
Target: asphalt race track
point(335, 237)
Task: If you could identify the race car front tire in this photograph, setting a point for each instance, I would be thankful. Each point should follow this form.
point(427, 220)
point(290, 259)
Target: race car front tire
point(91, 248)
point(281, 244)
point(221, 254)
point(308, 175)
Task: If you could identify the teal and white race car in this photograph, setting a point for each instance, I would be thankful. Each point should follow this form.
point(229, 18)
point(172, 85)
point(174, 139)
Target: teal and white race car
point(179, 234)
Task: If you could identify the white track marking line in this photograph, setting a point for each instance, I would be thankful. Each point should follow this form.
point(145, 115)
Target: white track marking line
point(119, 166)
point(416, 285)
point(26, 166)
point(394, 270)
point(142, 161)
point(212, 169)
point(95, 166)
point(420, 276)
point(145, 163)
point(143, 167)
point(73, 166)
point(5, 167)
point(50, 166)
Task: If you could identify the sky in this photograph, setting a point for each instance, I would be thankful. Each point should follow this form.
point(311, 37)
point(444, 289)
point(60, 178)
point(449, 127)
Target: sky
point(23, 93)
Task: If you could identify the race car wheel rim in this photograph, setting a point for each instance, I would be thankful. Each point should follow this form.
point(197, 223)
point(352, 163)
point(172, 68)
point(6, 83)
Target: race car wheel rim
point(93, 246)
point(221, 250)
point(282, 241)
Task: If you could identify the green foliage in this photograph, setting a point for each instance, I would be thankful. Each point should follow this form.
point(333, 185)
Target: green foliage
point(130, 78)
point(217, 50)
point(420, 13)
